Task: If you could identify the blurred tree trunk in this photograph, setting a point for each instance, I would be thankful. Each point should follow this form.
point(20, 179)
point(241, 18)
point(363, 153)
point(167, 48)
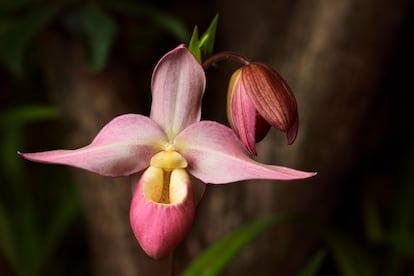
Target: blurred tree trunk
point(332, 53)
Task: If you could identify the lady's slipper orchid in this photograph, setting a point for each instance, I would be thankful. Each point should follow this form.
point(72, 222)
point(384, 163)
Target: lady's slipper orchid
point(170, 144)
point(258, 98)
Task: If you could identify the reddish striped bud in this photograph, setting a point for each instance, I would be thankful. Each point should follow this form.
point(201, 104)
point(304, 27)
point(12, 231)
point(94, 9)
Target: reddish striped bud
point(258, 98)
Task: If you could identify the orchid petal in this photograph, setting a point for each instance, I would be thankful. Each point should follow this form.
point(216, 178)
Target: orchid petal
point(273, 98)
point(178, 84)
point(123, 147)
point(242, 113)
point(215, 155)
point(160, 227)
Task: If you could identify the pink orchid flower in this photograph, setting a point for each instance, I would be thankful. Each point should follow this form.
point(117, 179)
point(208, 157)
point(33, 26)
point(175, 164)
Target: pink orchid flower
point(170, 144)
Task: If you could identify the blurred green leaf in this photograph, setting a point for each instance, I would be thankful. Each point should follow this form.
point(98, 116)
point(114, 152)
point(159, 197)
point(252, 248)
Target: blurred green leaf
point(8, 6)
point(17, 32)
point(28, 237)
point(18, 116)
point(350, 258)
point(372, 219)
point(403, 208)
point(27, 233)
point(11, 165)
point(170, 24)
point(18, 231)
point(194, 45)
point(399, 235)
point(215, 258)
point(402, 242)
point(208, 38)
point(314, 265)
point(99, 30)
point(67, 210)
point(11, 128)
point(28, 244)
point(7, 238)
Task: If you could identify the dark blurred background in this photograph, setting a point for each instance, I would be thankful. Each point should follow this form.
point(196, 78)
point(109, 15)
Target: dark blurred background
point(68, 67)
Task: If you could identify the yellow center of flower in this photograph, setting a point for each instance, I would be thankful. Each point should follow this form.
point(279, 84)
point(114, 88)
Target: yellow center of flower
point(168, 160)
point(166, 180)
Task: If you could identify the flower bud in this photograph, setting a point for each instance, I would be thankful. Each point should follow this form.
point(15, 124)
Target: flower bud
point(258, 98)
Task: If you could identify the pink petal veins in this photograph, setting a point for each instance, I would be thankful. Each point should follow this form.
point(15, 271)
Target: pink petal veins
point(178, 84)
point(215, 155)
point(124, 146)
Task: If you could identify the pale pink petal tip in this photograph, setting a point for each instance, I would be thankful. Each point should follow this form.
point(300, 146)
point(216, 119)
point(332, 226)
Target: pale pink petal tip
point(178, 83)
point(217, 157)
point(123, 147)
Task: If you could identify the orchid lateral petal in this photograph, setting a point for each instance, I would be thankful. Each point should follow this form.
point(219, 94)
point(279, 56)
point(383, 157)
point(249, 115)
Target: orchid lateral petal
point(160, 227)
point(273, 98)
point(123, 147)
point(242, 113)
point(215, 155)
point(178, 84)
